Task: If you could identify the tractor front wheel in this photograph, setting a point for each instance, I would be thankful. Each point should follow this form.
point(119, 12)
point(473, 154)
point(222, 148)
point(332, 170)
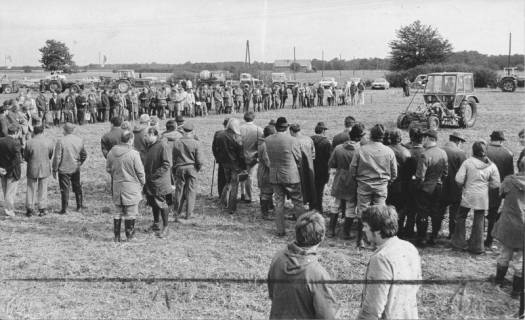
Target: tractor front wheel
point(8, 90)
point(433, 123)
point(468, 113)
point(508, 85)
point(123, 86)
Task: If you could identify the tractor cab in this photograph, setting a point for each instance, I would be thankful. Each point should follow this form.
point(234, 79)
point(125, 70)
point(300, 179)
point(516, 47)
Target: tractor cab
point(448, 89)
point(126, 74)
point(510, 72)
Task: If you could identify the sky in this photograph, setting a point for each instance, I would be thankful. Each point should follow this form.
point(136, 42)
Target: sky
point(163, 31)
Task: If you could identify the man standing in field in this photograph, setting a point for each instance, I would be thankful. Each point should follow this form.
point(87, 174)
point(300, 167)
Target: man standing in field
point(70, 154)
point(127, 173)
point(323, 150)
point(503, 159)
point(394, 259)
point(38, 154)
point(284, 153)
point(139, 132)
point(112, 138)
point(252, 136)
point(344, 136)
point(187, 162)
point(217, 147)
point(306, 165)
point(373, 167)
point(10, 163)
point(158, 188)
point(296, 280)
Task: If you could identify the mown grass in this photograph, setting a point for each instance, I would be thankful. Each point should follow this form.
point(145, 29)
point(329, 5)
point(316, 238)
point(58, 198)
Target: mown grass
point(217, 245)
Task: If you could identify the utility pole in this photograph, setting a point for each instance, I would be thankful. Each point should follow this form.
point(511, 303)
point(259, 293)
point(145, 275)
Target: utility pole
point(294, 65)
point(340, 66)
point(247, 58)
point(322, 61)
point(510, 43)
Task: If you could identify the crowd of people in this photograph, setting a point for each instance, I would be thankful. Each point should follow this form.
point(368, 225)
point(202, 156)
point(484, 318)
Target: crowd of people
point(388, 189)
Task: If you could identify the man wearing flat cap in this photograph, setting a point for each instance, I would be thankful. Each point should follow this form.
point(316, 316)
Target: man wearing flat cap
point(284, 153)
point(451, 191)
point(432, 170)
point(503, 159)
point(323, 150)
point(187, 161)
point(70, 154)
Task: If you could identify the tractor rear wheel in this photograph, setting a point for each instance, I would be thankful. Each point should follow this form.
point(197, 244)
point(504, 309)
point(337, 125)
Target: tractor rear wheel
point(75, 88)
point(433, 123)
point(55, 85)
point(508, 85)
point(402, 121)
point(123, 86)
point(8, 90)
point(468, 111)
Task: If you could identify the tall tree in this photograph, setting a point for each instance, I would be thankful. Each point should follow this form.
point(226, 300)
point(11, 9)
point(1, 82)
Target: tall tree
point(56, 56)
point(418, 44)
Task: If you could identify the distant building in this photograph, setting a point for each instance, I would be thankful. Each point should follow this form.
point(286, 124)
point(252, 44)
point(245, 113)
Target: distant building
point(285, 65)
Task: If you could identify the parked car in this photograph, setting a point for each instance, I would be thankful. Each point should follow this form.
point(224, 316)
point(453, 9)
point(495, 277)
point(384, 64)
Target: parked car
point(380, 83)
point(328, 82)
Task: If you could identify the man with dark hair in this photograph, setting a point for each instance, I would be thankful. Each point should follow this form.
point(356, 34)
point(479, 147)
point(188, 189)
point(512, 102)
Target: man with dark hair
point(343, 136)
point(396, 190)
point(139, 132)
point(394, 260)
point(218, 153)
point(432, 170)
point(187, 162)
point(112, 138)
point(158, 188)
point(302, 293)
point(503, 158)
point(56, 104)
point(252, 136)
point(373, 167)
point(233, 162)
point(343, 187)
point(451, 197)
point(70, 154)
point(306, 165)
point(38, 154)
point(127, 173)
point(263, 175)
point(170, 136)
point(323, 150)
point(10, 162)
point(284, 153)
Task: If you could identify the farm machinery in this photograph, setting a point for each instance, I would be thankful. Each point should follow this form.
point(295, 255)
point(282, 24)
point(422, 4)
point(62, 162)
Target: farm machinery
point(126, 80)
point(449, 101)
point(7, 86)
point(510, 80)
point(57, 82)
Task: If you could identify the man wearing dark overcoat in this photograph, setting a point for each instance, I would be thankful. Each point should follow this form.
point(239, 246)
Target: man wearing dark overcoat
point(111, 138)
point(323, 150)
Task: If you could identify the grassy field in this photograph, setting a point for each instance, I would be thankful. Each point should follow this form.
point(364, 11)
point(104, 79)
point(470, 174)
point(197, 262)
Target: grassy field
point(218, 245)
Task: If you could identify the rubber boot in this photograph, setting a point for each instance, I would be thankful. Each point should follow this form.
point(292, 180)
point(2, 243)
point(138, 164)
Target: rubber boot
point(436, 227)
point(116, 229)
point(347, 227)
point(156, 216)
point(129, 226)
point(64, 202)
point(264, 209)
point(422, 227)
point(360, 243)
point(164, 216)
point(501, 271)
point(517, 286)
point(333, 225)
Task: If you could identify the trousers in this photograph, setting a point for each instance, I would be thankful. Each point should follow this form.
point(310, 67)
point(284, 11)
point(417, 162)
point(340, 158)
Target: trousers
point(368, 196)
point(475, 242)
point(65, 182)
point(247, 185)
point(185, 179)
point(36, 193)
point(230, 190)
point(281, 191)
point(8, 194)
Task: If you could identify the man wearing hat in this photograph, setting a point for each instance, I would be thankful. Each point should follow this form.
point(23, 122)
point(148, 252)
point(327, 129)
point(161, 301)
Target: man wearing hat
point(432, 170)
point(373, 167)
point(70, 154)
point(323, 150)
point(451, 191)
point(219, 139)
point(187, 161)
point(306, 165)
point(503, 159)
point(284, 153)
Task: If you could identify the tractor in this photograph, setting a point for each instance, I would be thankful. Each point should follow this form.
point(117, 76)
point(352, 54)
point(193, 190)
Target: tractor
point(57, 82)
point(511, 80)
point(449, 101)
point(8, 87)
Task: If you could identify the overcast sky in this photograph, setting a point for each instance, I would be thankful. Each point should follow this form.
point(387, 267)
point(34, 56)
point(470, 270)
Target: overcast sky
point(165, 31)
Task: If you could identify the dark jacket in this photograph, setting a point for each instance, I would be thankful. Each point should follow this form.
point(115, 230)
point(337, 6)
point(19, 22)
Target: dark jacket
point(228, 150)
point(432, 169)
point(291, 288)
point(323, 150)
point(503, 159)
point(340, 138)
point(455, 156)
point(157, 168)
point(11, 157)
point(4, 123)
point(138, 142)
point(110, 139)
point(105, 101)
point(343, 187)
point(38, 154)
point(56, 105)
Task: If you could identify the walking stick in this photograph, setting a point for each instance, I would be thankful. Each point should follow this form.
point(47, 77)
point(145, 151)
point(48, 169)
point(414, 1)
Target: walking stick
point(212, 177)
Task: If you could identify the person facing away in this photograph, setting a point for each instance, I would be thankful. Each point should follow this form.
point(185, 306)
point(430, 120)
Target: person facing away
point(394, 259)
point(296, 279)
point(112, 137)
point(343, 136)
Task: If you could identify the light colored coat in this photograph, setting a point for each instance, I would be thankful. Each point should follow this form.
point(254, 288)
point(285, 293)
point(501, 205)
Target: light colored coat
point(477, 177)
point(395, 259)
point(252, 136)
point(127, 172)
point(38, 154)
point(284, 152)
